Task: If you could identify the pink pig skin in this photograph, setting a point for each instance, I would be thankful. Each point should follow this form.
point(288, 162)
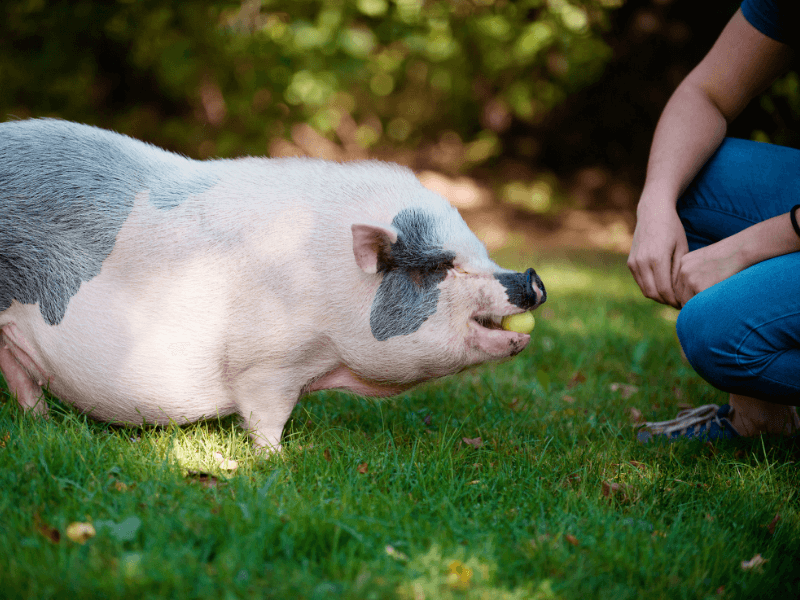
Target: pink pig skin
point(267, 280)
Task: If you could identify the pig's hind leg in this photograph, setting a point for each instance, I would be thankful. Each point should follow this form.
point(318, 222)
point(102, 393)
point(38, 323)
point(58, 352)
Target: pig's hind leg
point(20, 383)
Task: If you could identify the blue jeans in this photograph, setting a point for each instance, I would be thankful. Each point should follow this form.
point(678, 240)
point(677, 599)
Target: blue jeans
point(742, 335)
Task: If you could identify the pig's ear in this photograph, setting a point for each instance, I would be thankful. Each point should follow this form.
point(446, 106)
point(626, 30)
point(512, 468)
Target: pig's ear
point(372, 241)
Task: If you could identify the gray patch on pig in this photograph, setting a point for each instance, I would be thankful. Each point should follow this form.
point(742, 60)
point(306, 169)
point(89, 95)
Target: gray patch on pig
point(412, 269)
point(65, 192)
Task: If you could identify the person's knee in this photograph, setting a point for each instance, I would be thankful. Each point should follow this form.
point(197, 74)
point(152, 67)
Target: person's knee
point(701, 332)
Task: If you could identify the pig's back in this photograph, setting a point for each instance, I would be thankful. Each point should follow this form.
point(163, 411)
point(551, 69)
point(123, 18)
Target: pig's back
point(65, 192)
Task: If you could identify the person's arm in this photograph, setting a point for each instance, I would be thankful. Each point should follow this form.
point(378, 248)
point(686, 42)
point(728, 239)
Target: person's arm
point(707, 266)
point(742, 63)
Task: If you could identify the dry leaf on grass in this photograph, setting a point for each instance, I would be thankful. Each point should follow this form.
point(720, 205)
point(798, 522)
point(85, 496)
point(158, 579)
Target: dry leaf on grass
point(327, 454)
point(572, 539)
point(772, 524)
point(80, 532)
point(226, 464)
point(576, 379)
point(615, 491)
point(207, 480)
point(636, 416)
point(568, 399)
point(363, 468)
point(754, 563)
point(51, 533)
point(459, 575)
point(396, 554)
point(474, 442)
point(626, 390)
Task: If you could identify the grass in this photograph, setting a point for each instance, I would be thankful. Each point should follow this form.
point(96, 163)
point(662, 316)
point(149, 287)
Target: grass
point(386, 499)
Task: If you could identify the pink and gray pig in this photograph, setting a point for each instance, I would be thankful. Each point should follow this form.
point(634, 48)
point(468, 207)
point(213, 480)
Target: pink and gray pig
point(144, 287)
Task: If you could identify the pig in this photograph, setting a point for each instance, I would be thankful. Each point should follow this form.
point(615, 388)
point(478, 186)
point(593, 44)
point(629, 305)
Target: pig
point(141, 286)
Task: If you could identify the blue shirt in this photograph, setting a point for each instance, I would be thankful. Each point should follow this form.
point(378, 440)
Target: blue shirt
point(777, 19)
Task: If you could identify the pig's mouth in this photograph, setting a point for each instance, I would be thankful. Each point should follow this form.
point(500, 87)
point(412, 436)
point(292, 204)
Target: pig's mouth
point(491, 341)
point(489, 321)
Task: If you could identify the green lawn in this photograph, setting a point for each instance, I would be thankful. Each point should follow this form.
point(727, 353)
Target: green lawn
point(550, 496)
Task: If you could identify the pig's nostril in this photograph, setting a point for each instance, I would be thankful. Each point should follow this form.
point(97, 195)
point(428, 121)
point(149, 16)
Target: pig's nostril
point(533, 281)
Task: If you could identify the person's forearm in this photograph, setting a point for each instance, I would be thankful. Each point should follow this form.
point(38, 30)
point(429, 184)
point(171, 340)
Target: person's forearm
point(770, 238)
point(690, 129)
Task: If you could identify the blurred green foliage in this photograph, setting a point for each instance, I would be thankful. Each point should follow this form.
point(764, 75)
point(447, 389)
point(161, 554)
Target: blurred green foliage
point(535, 97)
point(212, 78)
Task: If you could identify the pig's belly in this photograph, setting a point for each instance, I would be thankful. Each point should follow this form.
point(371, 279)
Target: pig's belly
point(124, 357)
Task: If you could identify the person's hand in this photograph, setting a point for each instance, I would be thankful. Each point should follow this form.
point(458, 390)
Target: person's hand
point(702, 268)
point(659, 243)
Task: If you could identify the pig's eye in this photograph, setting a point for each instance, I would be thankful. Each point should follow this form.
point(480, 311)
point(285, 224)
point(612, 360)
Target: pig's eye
point(443, 267)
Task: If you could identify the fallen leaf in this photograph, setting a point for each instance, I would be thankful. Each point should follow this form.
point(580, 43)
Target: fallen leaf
point(51, 533)
point(636, 415)
point(474, 482)
point(80, 532)
point(226, 464)
point(207, 480)
point(459, 575)
point(638, 465)
point(327, 454)
point(474, 442)
point(5, 438)
point(773, 524)
point(572, 539)
point(568, 399)
point(754, 563)
point(120, 487)
point(576, 379)
point(363, 468)
point(626, 390)
point(614, 490)
point(396, 554)
point(427, 420)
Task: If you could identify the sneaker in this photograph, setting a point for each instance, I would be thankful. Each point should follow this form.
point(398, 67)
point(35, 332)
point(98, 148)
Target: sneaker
point(708, 423)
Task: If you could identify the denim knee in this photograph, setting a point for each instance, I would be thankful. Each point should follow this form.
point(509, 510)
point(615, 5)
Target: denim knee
point(705, 344)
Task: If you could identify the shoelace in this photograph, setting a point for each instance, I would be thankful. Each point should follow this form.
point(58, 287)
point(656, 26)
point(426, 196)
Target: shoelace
point(691, 417)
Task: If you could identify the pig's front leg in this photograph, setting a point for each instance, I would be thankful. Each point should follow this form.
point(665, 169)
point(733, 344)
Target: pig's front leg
point(16, 366)
point(265, 404)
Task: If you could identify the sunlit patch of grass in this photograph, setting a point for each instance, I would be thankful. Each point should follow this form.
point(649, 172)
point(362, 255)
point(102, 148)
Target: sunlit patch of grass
point(514, 480)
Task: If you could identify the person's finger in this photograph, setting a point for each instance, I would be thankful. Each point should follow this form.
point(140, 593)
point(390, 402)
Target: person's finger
point(662, 272)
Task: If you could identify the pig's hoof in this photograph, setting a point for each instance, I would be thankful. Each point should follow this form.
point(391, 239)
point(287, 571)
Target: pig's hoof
point(264, 446)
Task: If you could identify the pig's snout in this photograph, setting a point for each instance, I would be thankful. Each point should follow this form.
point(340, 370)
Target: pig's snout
point(533, 283)
point(525, 290)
